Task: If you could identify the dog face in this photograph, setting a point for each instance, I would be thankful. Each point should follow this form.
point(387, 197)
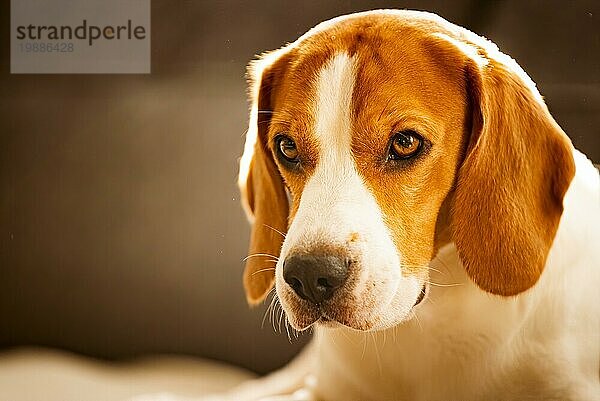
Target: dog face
point(378, 137)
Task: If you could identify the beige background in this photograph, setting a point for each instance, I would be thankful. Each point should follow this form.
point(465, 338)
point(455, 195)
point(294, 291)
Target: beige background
point(120, 227)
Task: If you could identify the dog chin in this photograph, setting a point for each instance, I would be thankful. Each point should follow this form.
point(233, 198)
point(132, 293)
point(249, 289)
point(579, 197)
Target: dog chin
point(306, 320)
point(302, 317)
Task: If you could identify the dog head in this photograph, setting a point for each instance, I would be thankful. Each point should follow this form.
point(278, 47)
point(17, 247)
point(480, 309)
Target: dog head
point(378, 137)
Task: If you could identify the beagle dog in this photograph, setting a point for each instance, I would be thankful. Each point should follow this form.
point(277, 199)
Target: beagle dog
point(414, 203)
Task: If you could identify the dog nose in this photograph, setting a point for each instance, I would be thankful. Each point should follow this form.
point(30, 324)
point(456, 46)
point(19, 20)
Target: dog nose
point(315, 277)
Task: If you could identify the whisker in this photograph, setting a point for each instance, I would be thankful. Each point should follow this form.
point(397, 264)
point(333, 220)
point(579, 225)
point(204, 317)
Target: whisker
point(429, 267)
point(423, 267)
point(281, 314)
point(431, 301)
point(377, 354)
point(291, 329)
point(436, 270)
point(274, 295)
point(335, 344)
point(444, 285)
point(263, 270)
point(274, 229)
point(364, 350)
point(418, 320)
point(273, 312)
point(444, 264)
point(254, 255)
point(348, 338)
point(287, 328)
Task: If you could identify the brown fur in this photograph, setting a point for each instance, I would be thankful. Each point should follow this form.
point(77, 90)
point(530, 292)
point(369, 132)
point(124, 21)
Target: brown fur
point(496, 171)
point(510, 188)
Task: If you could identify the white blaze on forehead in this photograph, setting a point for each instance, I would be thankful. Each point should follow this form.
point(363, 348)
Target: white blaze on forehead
point(335, 180)
point(333, 125)
point(335, 201)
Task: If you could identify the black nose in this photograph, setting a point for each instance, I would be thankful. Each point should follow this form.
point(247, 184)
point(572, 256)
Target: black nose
point(315, 277)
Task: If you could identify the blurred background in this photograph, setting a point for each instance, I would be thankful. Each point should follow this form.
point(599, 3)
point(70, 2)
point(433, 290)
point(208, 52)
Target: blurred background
point(121, 232)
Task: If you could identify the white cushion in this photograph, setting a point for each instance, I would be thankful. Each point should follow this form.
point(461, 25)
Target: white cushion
point(45, 375)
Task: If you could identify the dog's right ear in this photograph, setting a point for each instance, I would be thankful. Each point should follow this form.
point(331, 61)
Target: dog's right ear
point(261, 185)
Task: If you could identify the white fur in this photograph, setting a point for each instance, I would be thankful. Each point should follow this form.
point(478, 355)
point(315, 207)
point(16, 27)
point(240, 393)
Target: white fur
point(463, 344)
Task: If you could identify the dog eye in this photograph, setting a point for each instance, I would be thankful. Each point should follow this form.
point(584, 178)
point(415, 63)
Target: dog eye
point(404, 145)
point(287, 148)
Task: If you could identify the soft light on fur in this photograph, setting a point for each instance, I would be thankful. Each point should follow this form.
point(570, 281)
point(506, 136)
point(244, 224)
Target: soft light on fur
point(488, 218)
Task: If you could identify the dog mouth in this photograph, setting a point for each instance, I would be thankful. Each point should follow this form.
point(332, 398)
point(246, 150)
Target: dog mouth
point(325, 317)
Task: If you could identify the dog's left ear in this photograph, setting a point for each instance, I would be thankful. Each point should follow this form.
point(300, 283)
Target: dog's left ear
point(261, 186)
point(510, 187)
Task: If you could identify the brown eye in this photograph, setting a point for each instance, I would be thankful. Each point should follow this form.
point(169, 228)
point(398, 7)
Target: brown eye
point(405, 144)
point(287, 148)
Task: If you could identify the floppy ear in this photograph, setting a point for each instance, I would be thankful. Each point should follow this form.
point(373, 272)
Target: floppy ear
point(510, 187)
point(263, 194)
